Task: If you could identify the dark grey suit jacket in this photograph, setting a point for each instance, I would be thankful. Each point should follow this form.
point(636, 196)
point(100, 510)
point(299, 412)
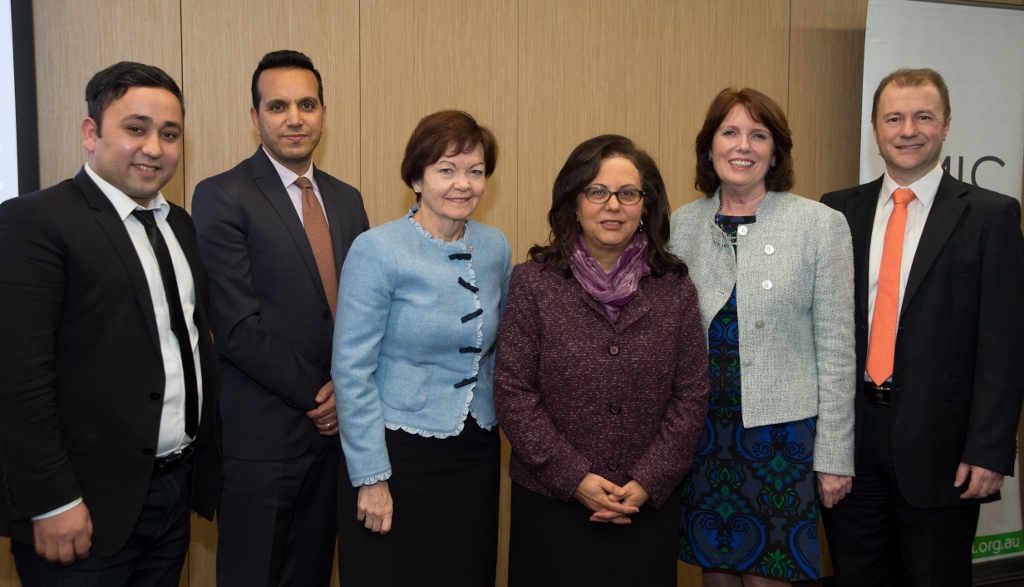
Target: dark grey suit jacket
point(271, 323)
point(957, 378)
point(81, 370)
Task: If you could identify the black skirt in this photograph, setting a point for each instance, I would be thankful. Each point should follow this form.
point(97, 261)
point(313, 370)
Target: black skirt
point(445, 525)
point(555, 543)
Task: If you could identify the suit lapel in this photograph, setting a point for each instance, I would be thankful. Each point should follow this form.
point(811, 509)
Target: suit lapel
point(106, 216)
point(860, 213)
point(945, 213)
point(269, 182)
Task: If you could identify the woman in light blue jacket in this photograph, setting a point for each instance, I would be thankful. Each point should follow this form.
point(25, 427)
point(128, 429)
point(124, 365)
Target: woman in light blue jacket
point(418, 308)
point(774, 275)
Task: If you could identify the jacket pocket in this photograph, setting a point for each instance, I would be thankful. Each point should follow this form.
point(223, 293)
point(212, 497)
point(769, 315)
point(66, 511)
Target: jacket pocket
point(405, 387)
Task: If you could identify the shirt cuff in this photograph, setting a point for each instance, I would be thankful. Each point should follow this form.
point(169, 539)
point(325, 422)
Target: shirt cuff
point(59, 510)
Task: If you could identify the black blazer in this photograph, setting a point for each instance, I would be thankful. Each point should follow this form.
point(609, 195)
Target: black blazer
point(960, 339)
point(271, 322)
point(81, 372)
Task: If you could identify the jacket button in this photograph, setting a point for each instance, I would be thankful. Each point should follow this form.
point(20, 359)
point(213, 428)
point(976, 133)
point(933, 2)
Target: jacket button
point(148, 452)
point(759, 324)
point(613, 350)
point(747, 362)
point(767, 284)
point(742, 230)
point(154, 396)
point(768, 249)
point(614, 408)
point(613, 465)
point(327, 314)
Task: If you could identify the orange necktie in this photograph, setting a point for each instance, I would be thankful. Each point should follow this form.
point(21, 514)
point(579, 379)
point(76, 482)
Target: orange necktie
point(882, 345)
point(319, 236)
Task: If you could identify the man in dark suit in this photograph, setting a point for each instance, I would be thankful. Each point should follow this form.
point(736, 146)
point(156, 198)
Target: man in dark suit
point(108, 383)
point(273, 232)
point(939, 273)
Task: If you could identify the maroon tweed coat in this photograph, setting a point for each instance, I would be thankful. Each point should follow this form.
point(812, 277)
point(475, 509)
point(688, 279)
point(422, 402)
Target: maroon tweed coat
point(575, 393)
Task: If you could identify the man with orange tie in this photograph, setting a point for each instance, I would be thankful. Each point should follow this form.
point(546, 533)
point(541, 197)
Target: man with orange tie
point(273, 233)
point(939, 274)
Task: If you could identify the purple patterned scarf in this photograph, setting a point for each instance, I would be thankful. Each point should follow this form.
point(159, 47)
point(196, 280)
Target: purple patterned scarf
point(614, 289)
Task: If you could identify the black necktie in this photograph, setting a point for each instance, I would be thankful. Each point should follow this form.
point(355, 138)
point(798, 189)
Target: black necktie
point(178, 325)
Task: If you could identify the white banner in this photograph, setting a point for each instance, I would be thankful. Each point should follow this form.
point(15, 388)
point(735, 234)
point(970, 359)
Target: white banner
point(979, 51)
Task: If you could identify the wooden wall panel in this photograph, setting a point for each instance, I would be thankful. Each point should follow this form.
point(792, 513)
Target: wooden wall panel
point(826, 72)
point(222, 44)
point(421, 56)
point(586, 68)
point(73, 40)
point(706, 47)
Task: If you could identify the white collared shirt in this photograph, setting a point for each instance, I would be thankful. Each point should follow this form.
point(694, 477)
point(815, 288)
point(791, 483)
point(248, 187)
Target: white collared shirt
point(917, 214)
point(288, 178)
point(172, 420)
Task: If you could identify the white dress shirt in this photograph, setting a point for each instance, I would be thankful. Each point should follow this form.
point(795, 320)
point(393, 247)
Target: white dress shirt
point(288, 178)
point(917, 214)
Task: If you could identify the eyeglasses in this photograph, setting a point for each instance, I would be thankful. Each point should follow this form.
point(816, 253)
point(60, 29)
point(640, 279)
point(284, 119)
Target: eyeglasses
point(600, 194)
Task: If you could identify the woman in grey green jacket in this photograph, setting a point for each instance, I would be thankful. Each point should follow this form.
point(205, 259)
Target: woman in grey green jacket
point(774, 274)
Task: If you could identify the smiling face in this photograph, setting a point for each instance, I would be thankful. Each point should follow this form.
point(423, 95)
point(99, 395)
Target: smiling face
point(608, 228)
point(910, 130)
point(742, 152)
point(449, 192)
point(290, 118)
point(139, 145)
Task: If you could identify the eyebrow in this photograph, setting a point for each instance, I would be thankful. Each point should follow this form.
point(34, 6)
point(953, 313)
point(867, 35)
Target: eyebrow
point(275, 101)
point(148, 120)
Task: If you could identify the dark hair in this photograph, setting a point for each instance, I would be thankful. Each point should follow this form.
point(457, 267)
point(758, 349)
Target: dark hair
point(446, 132)
point(762, 109)
point(284, 59)
point(913, 78)
point(582, 166)
point(113, 83)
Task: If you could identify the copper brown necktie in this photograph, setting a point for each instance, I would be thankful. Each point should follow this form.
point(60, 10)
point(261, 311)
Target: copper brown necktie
point(319, 235)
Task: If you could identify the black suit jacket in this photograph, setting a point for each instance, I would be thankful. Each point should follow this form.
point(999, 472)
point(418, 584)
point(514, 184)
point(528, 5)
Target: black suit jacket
point(271, 322)
point(957, 374)
point(81, 371)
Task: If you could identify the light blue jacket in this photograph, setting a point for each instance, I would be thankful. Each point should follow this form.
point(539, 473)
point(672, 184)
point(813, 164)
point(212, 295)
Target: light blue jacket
point(414, 337)
point(793, 273)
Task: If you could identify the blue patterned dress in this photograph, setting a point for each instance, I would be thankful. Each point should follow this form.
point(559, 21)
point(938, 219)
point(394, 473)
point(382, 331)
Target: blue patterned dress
point(749, 504)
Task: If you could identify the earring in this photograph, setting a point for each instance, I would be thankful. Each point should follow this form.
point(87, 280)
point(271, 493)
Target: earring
point(640, 228)
point(709, 157)
point(773, 164)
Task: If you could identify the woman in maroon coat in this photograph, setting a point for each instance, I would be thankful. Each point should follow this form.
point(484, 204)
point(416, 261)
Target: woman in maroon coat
point(601, 381)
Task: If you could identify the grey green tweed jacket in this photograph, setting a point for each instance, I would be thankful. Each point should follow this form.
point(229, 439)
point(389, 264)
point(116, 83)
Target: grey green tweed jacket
point(793, 273)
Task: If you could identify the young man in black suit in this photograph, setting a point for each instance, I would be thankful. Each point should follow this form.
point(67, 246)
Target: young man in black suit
point(940, 335)
point(273, 233)
point(108, 383)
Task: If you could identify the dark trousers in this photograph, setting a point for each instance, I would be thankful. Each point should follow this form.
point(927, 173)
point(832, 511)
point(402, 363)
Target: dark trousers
point(277, 521)
point(877, 539)
point(153, 556)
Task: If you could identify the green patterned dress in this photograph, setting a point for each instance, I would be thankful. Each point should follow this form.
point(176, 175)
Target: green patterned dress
point(750, 503)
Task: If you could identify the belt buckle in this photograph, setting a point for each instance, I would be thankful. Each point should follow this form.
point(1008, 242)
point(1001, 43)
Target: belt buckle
point(882, 394)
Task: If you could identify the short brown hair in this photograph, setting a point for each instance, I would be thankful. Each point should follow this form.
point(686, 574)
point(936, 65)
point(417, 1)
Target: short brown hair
point(582, 166)
point(912, 78)
point(446, 133)
point(762, 109)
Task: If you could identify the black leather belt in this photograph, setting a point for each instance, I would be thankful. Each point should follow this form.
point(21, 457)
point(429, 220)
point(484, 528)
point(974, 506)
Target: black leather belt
point(875, 394)
point(169, 463)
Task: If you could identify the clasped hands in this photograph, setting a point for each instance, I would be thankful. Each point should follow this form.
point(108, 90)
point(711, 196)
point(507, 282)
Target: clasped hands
point(610, 503)
point(324, 416)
